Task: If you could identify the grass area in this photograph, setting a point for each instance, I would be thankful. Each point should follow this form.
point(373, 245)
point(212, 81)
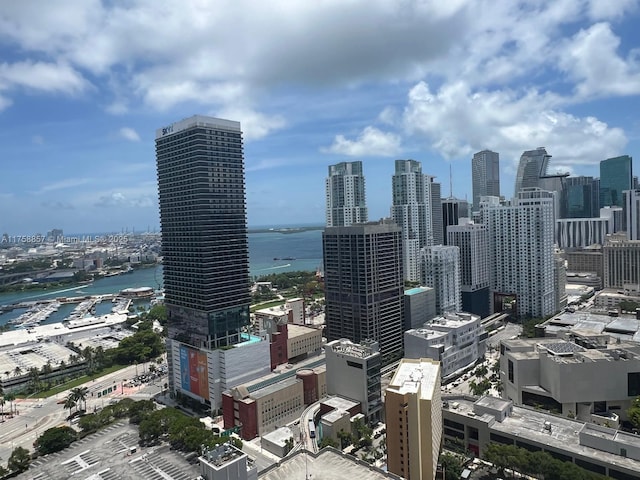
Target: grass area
point(273, 303)
point(75, 382)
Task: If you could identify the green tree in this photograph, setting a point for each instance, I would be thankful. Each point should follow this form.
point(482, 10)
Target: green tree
point(328, 442)
point(69, 402)
point(55, 439)
point(79, 395)
point(19, 460)
point(10, 397)
point(453, 466)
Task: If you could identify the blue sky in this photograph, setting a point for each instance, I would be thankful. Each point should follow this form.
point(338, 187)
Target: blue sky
point(85, 83)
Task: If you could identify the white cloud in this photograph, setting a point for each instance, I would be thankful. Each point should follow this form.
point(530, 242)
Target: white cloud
point(371, 142)
point(255, 125)
point(457, 121)
point(43, 76)
point(129, 134)
point(604, 10)
point(62, 185)
point(591, 59)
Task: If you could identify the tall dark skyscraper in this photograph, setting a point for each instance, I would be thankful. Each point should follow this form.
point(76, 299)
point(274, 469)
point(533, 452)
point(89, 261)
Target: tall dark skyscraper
point(581, 198)
point(204, 230)
point(616, 176)
point(485, 176)
point(364, 288)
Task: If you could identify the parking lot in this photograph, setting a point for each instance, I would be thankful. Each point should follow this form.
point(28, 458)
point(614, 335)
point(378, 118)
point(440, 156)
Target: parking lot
point(112, 453)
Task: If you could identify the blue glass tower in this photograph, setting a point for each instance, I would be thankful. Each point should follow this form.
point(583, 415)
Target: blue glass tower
point(616, 175)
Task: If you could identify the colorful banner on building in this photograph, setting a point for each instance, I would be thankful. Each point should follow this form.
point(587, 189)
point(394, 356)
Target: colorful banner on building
point(194, 374)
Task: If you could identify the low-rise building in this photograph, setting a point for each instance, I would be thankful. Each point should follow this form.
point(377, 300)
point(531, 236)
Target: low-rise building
point(279, 442)
point(271, 401)
point(224, 462)
point(456, 340)
point(599, 449)
point(571, 378)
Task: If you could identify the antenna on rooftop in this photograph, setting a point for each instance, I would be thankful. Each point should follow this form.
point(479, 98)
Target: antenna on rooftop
point(450, 182)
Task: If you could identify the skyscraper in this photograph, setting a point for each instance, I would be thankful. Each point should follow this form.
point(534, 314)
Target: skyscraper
point(533, 172)
point(413, 409)
point(205, 250)
point(616, 175)
point(364, 288)
point(453, 209)
point(581, 198)
point(485, 175)
point(473, 242)
point(417, 210)
point(440, 266)
point(521, 251)
point(621, 262)
point(346, 203)
point(631, 220)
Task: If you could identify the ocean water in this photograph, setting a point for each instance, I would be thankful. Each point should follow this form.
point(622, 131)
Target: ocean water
point(305, 249)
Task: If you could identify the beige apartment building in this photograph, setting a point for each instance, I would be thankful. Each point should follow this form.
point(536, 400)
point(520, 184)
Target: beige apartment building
point(413, 410)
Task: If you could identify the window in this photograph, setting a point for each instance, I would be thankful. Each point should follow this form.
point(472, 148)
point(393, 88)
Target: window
point(510, 371)
point(633, 384)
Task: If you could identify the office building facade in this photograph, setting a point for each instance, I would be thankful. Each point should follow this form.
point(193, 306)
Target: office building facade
point(521, 252)
point(345, 195)
point(581, 198)
point(616, 176)
point(485, 176)
point(201, 187)
point(413, 409)
point(582, 232)
point(621, 262)
point(416, 209)
point(456, 340)
point(473, 242)
point(631, 209)
point(533, 172)
point(364, 285)
point(453, 209)
point(419, 306)
point(440, 266)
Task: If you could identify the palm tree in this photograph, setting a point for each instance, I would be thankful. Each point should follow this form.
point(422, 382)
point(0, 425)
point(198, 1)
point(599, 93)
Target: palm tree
point(69, 402)
point(17, 371)
point(79, 394)
point(87, 354)
point(10, 397)
point(2, 402)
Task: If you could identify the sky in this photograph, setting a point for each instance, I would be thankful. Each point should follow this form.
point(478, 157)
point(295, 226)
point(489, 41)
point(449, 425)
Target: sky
point(84, 84)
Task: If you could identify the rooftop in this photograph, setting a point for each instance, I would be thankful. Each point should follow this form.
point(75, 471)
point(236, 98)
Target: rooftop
point(327, 464)
point(416, 376)
point(416, 290)
point(340, 403)
point(279, 436)
point(299, 330)
point(347, 347)
point(560, 433)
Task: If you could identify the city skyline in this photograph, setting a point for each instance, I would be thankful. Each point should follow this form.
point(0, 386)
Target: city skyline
point(83, 88)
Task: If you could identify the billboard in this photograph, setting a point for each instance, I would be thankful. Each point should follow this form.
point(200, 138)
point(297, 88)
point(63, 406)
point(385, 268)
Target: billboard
point(194, 374)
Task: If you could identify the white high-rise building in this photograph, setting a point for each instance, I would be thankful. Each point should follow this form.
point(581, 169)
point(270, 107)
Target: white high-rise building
point(346, 204)
point(485, 176)
point(521, 251)
point(473, 242)
point(631, 207)
point(440, 266)
point(417, 210)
